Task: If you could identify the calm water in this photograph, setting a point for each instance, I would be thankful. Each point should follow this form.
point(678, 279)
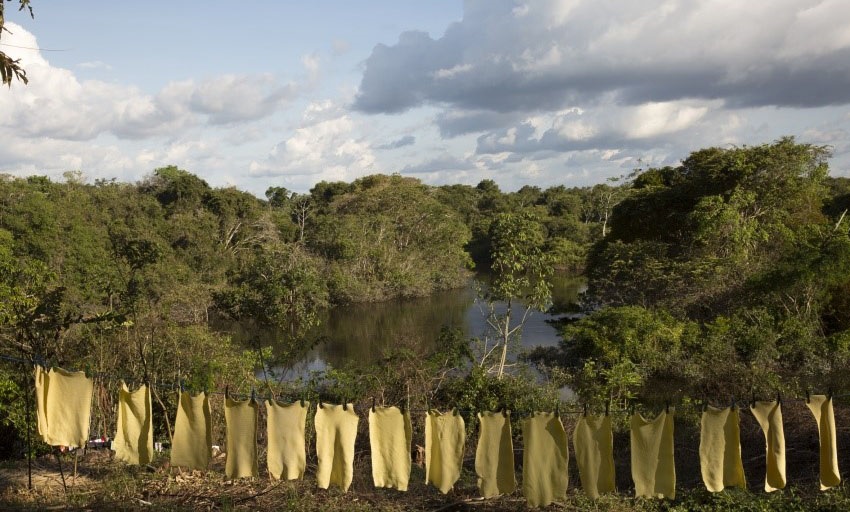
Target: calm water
point(361, 334)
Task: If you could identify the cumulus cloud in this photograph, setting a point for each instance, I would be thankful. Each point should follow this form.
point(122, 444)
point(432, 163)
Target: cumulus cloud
point(340, 47)
point(442, 164)
point(407, 140)
point(506, 56)
point(56, 104)
point(234, 98)
point(95, 64)
point(326, 146)
point(52, 157)
point(541, 92)
point(455, 122)
point(574, 129)
point(583, 89)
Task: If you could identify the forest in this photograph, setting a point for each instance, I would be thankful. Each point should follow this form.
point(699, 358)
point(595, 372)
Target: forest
point(123, 279)
point(725, 276)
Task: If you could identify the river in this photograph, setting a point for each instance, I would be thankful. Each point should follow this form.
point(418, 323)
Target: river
point(360, 334)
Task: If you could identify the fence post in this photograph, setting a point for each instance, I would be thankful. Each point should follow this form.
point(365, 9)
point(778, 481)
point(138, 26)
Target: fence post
point(29, 391)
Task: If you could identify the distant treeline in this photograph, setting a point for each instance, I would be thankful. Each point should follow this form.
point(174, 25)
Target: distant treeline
point(376, 238)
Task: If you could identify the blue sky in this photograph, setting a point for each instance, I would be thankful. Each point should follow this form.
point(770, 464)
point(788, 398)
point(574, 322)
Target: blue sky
point(542, 93)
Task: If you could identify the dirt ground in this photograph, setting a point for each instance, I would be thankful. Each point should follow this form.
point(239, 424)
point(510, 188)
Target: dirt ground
point(103, 484)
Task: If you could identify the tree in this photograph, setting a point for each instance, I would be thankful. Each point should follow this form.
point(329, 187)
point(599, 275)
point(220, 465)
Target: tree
point(281, 287)
point(176, 189)
point(603, 199)
point(324, 192)
point(302, 208)
point(521, 271)
point(748, 246)
point(29, 301)
point(491, 198)
point(10, 68)
point(388, 237)
point(240, 219)
point(278, 197)
point(696, 238)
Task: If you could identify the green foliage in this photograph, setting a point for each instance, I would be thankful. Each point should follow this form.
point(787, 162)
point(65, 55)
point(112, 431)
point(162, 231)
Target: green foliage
point(571, 217)
point(31, 303)
point(125, 279)
point(177, 189)
point(13, 421)
point(729, 274)
point(520, 275)
point(695, 239)
point(387, 236)
point(617, 354)
point(519, 265)
point(624, 353)
point(479, 390)
point(278, 197)
point(200, 359)
point(282, 287)
point(567, 255)
point(617, 383)
point(10, 68)
point(720, 277)
point(613, 334)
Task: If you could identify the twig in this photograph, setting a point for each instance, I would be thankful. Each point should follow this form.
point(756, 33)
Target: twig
point(471, 501)
point(840, 219)
point(264, 491)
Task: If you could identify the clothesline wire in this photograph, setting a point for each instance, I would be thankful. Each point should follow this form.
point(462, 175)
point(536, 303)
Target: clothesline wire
point(174, 386)
point(36, 49)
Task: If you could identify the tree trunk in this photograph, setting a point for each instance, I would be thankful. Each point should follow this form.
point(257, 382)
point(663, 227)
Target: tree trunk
point(505, 336)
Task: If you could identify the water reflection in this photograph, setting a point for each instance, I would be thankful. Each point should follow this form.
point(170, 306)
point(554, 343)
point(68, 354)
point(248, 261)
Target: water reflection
point(361, 334)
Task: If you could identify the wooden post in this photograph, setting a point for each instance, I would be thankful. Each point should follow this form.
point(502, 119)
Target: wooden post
point(61, 472)
point(29, 393)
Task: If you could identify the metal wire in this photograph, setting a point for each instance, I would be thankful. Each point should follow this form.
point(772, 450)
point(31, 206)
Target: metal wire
point(179, 385)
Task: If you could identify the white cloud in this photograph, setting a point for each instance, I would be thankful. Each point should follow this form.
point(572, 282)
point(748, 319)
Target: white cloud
point(96, 64)
point(327, 146)
point(531, 170)
point(604, 127)
point(817, 19)
point(537, 92)
point(453, 71)
point(653, 119)
point(312, 64)
point(340, 47)
point(59, 121)
point(56, 104)
point(444, 163)
point(235, 98)
point(544, 55)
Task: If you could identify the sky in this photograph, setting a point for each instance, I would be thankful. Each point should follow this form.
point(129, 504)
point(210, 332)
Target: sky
point(540, 92)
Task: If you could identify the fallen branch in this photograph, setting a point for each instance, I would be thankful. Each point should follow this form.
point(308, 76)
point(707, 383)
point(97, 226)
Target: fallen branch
point(264, 491)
